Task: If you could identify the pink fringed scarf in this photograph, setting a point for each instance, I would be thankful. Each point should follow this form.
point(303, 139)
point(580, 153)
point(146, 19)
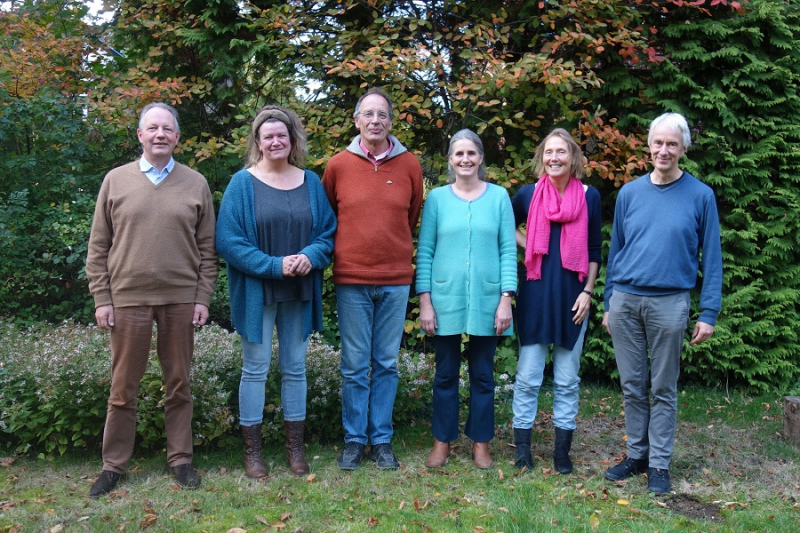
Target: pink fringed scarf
point(547, 205)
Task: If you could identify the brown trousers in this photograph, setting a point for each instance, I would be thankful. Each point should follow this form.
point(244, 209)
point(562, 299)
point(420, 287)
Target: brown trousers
point(130, 348)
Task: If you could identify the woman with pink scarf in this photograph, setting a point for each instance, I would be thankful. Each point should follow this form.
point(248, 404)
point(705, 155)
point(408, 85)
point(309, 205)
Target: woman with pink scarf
point(562, 257)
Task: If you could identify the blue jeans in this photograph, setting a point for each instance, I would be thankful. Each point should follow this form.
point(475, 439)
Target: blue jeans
point(480, 364)
point(530, 373)
point(371, 320)
point(288, 318)
point(658, 323)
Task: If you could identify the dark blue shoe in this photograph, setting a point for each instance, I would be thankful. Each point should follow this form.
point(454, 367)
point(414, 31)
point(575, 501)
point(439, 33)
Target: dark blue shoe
point(351, 456)
point(658, 481)
point(384, 457)
point(626, 468)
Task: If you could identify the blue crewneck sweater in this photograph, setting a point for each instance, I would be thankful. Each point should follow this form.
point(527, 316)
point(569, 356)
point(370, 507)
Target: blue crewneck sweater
point(658, 234)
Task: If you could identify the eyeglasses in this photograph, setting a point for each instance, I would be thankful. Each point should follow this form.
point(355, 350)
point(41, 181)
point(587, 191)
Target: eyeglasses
point(383, 116)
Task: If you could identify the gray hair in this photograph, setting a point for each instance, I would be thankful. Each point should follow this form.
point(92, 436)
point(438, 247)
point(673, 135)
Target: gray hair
point(161, 105)
point(675, 122)
point(467, 135)
point(380, 92)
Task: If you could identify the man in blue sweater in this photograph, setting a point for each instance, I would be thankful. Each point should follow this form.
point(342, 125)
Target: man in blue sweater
point(662, 222)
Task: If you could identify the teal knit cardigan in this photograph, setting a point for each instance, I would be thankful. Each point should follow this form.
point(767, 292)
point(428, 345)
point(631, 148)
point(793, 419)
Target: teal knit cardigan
point(237, 243)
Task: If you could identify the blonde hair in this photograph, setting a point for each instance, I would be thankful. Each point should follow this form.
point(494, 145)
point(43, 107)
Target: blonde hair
point(297, 135)
point(575, 154)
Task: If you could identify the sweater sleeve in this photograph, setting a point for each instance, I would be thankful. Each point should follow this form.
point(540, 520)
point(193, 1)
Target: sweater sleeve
point(521, 203)
point(595, 225)
point(209, 260)
point(237, 238)
point(617, 242)
point(417, 192)
point(710, 263)
point(99, 245)
point(507, 244)
point(426, 244)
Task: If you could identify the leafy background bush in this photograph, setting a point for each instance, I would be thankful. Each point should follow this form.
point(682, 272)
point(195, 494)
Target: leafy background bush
point(54, 384)
point(510, 70)
point(55, 379)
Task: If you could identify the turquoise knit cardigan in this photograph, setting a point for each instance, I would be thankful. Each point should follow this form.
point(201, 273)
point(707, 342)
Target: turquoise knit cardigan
point(237, 243)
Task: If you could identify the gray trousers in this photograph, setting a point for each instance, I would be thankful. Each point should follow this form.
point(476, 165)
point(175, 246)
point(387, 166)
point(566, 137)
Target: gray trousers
point(658, 323)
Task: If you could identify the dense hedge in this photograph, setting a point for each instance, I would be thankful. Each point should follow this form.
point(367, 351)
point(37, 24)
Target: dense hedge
point(54, 383)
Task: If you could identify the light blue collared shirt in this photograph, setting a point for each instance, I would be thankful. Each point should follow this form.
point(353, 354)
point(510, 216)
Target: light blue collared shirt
point(152, 172)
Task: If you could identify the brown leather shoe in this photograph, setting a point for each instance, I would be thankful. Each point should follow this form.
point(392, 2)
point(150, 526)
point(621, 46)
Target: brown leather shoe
point(480, 454)
point(438, 456)
point(251, 440)
point(295, 453)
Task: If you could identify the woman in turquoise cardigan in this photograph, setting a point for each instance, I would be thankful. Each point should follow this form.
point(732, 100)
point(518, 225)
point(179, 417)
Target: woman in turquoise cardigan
point(466, 278)
point(275, 231)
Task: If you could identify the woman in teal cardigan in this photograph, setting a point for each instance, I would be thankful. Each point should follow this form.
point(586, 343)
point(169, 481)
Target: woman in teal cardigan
point(275, 231)
point(466, 278)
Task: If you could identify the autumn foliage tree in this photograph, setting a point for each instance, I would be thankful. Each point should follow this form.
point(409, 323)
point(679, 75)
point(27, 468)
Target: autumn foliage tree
point(511, 70)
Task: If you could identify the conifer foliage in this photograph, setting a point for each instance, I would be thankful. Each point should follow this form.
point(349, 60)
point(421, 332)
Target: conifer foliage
point(511, 70)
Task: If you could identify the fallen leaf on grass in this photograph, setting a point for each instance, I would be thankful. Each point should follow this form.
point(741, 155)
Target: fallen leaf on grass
point(278, 525)
point(7, 461)
point(402, 504)
point(311, 478)
point(148, 521)
point(502, 509)
point(285, 516)
point(661, 504)
point(262, 520)
point(56, 529)
point(7, 505)
point(372, 521)
point(478, 529)
point(500, 473)
point(594, 521)
point(236, 530)
point(416, 505)
point(623, 502)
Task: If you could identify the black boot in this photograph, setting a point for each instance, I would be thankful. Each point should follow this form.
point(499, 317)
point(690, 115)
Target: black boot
point(561, 460)
point(523, 460)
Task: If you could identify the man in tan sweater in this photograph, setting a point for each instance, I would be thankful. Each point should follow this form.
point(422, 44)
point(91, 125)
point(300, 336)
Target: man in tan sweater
point(151, 257)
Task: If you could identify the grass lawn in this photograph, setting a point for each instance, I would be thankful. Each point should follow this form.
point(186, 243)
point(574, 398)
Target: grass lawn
point(731, 472)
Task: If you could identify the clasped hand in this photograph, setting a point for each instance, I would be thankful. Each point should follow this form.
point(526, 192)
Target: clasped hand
point(296, 265)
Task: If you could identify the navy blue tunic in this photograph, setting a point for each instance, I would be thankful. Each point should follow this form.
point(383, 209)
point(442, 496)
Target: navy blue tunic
point(544, 307)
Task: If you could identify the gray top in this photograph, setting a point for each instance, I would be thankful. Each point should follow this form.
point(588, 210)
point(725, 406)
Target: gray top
point(283, 219)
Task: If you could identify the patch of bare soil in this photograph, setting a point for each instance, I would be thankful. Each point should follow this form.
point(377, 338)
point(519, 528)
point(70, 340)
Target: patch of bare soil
point(689, 506)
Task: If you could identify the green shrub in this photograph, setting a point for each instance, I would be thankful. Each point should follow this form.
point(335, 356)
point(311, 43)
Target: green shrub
point(54, 384)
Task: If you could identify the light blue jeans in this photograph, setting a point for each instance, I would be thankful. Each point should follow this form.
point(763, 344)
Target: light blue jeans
point(530, 373)
point(657, 323)
point(288, 318)
point(371, 320)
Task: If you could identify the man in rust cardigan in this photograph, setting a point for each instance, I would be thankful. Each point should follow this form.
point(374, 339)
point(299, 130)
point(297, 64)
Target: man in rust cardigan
point(151, 257)
point(375, 188)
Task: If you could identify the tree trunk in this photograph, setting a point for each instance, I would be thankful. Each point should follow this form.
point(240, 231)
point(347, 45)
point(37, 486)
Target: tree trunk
point(791, 419)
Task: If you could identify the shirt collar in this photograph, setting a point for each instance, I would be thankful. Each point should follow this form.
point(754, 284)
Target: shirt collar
point(376, 158)
point(145, 166)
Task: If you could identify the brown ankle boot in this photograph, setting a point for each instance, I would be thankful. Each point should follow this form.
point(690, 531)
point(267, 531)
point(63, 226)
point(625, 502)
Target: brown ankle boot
point(295, 453)
point(251, 438)
point(480, 454)
point(438, 456)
